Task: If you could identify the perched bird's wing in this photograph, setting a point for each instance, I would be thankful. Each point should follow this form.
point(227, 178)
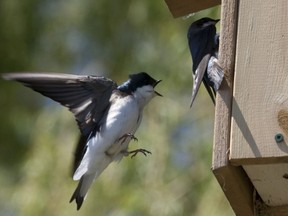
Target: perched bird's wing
point(198, 77)
point(201, 44)
point(216, 45)
point(87, 97)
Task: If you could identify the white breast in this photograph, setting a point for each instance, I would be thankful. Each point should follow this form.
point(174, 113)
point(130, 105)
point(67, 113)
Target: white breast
point(124, 117)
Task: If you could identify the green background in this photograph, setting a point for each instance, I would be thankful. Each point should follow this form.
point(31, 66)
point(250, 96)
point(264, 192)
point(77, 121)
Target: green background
point(38, 136)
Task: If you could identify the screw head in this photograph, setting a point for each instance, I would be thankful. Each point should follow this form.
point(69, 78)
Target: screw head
point(279, 137)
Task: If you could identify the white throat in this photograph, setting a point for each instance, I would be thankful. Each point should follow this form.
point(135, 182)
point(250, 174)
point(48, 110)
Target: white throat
point(144, 94)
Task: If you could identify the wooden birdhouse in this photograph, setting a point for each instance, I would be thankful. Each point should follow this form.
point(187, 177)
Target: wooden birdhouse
point(250, 151)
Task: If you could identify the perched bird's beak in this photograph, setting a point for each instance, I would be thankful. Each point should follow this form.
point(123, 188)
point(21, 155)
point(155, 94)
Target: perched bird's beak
point(156, 83)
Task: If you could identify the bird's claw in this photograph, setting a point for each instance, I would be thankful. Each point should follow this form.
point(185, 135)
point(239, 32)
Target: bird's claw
point(135, 152)
point(133, 137)
point(128, 135)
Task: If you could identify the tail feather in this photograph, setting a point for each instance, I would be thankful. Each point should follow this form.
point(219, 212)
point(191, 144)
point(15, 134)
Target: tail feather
point(82, 189)
point(86, 181)
point(210, 90)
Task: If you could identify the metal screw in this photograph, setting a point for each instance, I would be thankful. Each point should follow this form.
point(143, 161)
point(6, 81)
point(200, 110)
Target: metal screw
point(285, 175)
point(279, 137)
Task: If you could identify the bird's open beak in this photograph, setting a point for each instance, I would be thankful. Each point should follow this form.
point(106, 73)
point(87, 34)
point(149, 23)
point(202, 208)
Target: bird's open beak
point(156, 83)
point(216, 21)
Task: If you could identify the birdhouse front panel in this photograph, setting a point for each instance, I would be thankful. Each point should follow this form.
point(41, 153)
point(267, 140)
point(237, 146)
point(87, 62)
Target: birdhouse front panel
point(260, 100)
point(259, 122)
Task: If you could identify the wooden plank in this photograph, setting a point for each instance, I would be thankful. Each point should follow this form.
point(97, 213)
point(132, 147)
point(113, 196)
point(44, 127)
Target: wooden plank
point(271, 182)
point(237, 188)
point(272, 211)
point(180, 8)
point(233, 180)
point(224, 95)
point(261, 209)
point(260, 103)
point(260, 96)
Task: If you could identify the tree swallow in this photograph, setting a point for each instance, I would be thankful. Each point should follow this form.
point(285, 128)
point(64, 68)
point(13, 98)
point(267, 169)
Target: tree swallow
point(203, 44)
point(107, 115)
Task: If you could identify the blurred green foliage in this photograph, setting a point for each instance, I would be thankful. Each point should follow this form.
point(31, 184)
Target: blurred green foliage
point(38, 136)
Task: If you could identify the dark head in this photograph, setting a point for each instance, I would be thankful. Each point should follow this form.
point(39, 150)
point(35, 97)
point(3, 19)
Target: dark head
point(200, 25)
point(201, 39)
point(139, 81)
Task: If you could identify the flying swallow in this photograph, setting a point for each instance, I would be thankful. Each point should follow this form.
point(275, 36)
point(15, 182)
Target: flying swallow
point(108, 116)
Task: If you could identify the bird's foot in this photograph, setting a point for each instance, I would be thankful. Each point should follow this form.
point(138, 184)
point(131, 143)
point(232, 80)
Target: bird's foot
point(124, 137)
point(133, 137)
point(135, 152)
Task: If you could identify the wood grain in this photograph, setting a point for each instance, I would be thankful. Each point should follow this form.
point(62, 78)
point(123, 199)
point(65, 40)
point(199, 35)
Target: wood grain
point(265, 210)
point(233, 180)
point(270, 182)
point(261, 83)
point(224, 95)
point(260, 101)
point(180, 8)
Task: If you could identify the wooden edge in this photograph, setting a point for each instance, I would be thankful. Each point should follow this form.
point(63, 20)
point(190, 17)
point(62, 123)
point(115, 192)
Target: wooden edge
point(237, 188)
point(258, 161)
point(263, 210)
point(223, 109)
point(233, 180)
point(184, 7)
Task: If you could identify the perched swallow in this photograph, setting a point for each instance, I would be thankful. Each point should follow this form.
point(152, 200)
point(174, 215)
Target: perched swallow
point(203, 44)
point(107, 115)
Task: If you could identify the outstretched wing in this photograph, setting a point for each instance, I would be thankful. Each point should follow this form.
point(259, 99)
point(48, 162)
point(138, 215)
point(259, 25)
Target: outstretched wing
point(87, 97)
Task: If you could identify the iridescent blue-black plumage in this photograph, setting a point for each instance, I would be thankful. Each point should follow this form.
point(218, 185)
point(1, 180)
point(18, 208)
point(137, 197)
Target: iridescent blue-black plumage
point(138, 80)
point(203, 44)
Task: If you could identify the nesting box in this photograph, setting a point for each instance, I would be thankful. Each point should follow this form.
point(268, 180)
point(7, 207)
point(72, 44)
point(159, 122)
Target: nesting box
point(250, 151)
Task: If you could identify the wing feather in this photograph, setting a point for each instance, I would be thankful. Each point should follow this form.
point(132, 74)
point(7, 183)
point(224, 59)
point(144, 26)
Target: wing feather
point(198, 76)
point(87, 97)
